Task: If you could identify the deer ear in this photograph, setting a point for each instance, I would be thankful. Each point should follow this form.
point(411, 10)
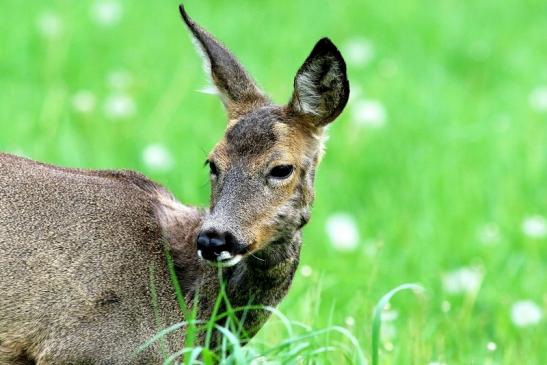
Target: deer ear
point(238, 91)
point(321, 87)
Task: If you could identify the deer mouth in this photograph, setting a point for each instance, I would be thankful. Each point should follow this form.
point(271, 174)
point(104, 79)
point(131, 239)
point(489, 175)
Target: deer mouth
point(224, 259)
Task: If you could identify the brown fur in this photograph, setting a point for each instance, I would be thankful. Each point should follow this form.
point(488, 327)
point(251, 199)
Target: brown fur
point(84, 275)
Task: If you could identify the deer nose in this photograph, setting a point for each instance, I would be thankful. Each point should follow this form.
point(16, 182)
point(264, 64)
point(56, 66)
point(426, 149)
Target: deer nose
point(215, 246)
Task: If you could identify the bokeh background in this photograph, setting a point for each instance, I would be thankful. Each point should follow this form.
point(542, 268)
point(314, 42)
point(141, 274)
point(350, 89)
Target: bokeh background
point(435, 173)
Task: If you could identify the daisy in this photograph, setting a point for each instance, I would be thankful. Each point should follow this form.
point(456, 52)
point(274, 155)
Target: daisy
point(358, 51)
point(534, 226)
point(465, 280)
point(342, 231)
point(119, 106)
point(157, 157)
point(106, 12)
point(525, 313)
point(369, 113)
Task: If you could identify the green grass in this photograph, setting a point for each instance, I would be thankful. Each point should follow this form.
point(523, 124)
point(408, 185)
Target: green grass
point(461, 148)
point(301, 343)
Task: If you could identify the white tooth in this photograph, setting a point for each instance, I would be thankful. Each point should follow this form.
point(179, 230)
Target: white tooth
point(224, 255)
point(199, 254)
point(231, 262)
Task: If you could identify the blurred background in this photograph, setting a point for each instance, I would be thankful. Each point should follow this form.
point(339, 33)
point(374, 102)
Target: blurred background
point(436, 172)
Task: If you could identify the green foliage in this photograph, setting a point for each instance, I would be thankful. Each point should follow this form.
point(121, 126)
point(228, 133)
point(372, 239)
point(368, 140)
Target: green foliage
point(445, 183)
point(301, 343)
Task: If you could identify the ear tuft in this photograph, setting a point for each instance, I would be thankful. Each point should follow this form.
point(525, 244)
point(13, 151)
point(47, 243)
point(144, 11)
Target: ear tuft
point(321, 87)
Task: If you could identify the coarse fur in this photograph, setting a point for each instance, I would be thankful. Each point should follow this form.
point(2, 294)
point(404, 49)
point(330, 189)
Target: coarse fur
point(83, 266)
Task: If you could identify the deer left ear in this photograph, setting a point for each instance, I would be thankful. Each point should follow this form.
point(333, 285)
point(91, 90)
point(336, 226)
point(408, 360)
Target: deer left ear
point(321, 87)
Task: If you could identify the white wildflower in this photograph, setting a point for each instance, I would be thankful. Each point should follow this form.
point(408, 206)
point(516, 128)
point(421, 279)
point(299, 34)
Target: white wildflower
point(119, 106)
point(534, 226)
point(538, 98)
point(525, 313)
point(466, 280)
point(83, 101)
point(349, 321)
point(491, 346)
point(119, 79)
point(446, 306)
point(358, 51)
point(488, 234)
point(389, 331)
point(342, 231)
point(370, 113)
point(50, 25)
point(106, 12)
point(306, 271)
point(157, 157)
point(389, 315)
point(388, 346)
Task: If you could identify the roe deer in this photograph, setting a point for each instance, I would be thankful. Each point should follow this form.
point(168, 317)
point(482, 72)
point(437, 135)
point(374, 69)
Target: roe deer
point(76, 246)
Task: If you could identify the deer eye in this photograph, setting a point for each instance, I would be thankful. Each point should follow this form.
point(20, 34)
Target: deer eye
point(281, 171)
point(213, 168)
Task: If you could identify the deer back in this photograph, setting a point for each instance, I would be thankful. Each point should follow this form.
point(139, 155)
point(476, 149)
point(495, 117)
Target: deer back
point(81, 263)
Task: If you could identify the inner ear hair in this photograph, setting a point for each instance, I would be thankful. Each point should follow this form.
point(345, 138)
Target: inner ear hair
point(321, 87)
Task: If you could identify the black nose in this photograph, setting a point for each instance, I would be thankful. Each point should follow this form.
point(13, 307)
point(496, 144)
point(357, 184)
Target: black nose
point(211, 243)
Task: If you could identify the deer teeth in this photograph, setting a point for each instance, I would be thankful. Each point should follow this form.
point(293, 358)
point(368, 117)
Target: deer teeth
point(224, 259)
point(230, 262)
point(224, 255)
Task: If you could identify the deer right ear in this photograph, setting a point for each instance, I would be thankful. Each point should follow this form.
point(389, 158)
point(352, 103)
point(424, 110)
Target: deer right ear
point(237, 89)
point(321, 87)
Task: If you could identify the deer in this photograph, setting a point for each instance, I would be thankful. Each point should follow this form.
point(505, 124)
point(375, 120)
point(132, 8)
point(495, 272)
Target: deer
point(84, 274)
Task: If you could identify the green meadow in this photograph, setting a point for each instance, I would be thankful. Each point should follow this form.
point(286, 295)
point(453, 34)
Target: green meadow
point(435, 173)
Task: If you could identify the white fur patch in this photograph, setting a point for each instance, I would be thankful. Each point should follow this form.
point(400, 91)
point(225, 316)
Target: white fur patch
point(308, 95)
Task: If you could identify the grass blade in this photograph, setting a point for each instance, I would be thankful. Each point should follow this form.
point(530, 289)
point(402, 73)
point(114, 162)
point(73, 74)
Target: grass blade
point(377, 317)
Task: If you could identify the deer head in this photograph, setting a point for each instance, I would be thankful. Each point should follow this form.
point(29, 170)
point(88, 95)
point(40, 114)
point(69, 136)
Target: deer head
point(262, 170)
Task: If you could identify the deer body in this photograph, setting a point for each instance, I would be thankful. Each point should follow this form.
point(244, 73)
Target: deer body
point(84, 277)
point(76, 284)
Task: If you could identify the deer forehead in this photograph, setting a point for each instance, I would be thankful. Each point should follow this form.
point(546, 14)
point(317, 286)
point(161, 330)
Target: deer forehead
point(263, 136)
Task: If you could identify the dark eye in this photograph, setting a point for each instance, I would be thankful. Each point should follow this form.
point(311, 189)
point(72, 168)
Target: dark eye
point(213, 168)
point(281, 171)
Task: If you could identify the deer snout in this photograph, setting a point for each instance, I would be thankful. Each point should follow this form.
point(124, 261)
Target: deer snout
point(218, 247)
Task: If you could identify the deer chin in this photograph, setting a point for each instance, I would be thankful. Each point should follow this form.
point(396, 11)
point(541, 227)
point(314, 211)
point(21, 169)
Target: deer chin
point(225, 259)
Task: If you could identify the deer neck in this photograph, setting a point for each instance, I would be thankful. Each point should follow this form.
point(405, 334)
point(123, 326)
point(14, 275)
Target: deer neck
point(284, 252)
point(265, 275)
